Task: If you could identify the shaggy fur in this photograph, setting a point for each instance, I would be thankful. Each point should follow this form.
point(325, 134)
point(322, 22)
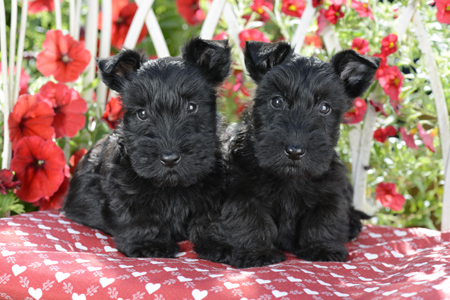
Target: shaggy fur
point(159, 174)
point(288, 189)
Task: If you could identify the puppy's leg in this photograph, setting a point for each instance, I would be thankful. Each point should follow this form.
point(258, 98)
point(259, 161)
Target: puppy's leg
point(323, 233)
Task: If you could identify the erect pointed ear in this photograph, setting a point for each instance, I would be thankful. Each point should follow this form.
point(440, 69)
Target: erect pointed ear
point(212, 57)
point(260, 57)
point(115, 71)
point(355, 70)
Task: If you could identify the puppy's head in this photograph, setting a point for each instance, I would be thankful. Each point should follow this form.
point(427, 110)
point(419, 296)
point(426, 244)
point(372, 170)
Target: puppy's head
point(169, 124)
point(299, 103)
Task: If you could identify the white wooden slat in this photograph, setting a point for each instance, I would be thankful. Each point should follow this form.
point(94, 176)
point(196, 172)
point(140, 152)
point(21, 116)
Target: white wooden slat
point(233, 32)
point(72, 18)
point(6, 154)
point(404, 19)
point(212, 18)
point(91, 45)
point(302, 28)
point(76, 34)
point(12, 51)
point(105, 50)
point(23, 27)
point(445, 221)
point(58, 14)
point(136, 25)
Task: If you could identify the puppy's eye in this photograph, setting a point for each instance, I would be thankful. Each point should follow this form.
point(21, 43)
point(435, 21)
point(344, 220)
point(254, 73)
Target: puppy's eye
point(192, 108)
point(276, 103)
point(324, 108)
point(141, 114)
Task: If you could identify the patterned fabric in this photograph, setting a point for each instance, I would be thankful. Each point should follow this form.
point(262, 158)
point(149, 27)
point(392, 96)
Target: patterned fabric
point(47, 256)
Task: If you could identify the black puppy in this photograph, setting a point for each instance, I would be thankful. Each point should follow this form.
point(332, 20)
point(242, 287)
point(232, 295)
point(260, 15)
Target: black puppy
point(288, 189)
point(160, 171)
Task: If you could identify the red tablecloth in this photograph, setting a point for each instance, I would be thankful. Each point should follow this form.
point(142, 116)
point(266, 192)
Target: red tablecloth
point(47, 256)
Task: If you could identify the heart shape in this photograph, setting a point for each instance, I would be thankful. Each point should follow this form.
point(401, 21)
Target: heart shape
point(75, 296)
point(42, 226)
point(323, 283)
point(156, 262)
point(151, 288)
point(230, 285)
point(72, 231)
point(49, 262)
point(59, 248)
point(28, 244)
point(63, 222)
point(20, 232)
point(407, 295)
point(277, 270)
point(341, 294)
point(365, 279)
point(419, 265)
point(35, 293)
point(376, 269)
point(215, 275)
point(247, 273)
point(375, 235)
point(15, 224)
point(18, 269)
point(336, 275)
point(80, 246)
point(125, 266)
point(200, 270)
point(169, 269)
point(321, 267)
point(110, 249)
point(352, 284)
point(80, 260)
point(308, 272)
point(279, 294)
point(180, 254)
point(101, 236)
point(34, 219)
point(309, 292)
point(199, 295)
point(389, 293)
point(419, 282)
point(92, 269)
point(183, 279)
point(400, 233)
point(396, 254)
point(51, 237)
point(7, 253)
point(371, 289)
point(60, 276)
point(262, 281)
point(137, 274)
point(293, 279)
point(349, 267)
point(106, 281)
point(190, 259)
point(371, 255)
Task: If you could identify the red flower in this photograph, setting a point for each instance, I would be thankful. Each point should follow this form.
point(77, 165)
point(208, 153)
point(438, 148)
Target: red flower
point(62, 57)
point(334, 13)
point(360, 45)
point(190, 11)
point(221, 36)
point(381, 134)
point(293, 8)
point(382, 67)
point(389, 44)
point(41, 5)
point(30, 118)
point(259, 5)
point(443, 11)
point(23, 82)
point(122, 16)
point(378, 107)
point(75, 158)
point(427, 138)
point(57, 199)
point(388, 197)
point(408, 138)
point(313, 40)
point(322, 21)
point(362, 9)
point(252, 35)
point(316, 3)
point(391, 80)
point(68, 105)
point(39, 165)
point(6, 181)
point(357, 113)
point(113, 112)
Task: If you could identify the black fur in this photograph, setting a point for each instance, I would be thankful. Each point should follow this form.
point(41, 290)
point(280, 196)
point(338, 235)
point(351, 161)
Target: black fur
point(301, 204)
point(158, 175)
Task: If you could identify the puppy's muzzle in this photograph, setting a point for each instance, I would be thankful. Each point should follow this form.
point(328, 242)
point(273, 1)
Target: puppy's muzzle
point(294, 152)
point(170, 158)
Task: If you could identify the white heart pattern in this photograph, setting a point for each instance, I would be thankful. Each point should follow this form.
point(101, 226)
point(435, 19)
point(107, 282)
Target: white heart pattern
point(110, 249)
point(92, 269)
point(20, 232)
point(18, 269)
point(60, 276)
point(230, 285)
point(375, 235)
point(137, 274)
point(14, 224)
point(75, 296)
point(63, 222)
point(169, 269)
point(368, 290)
point(101, 236)
point(125, 266)
point(262, 281)
point(349, 267)
point(396, 254)
point(80, 246)
point(51, 237)
point(80, 260)
point(184, 279)
point(106, 281)
point(293, 279)
point(400, 233)
point(341, 294)
point(59, 248)
point(407, 295)
point(309, 292)
point(28, 244)
point(49, 262)
point(371, 256)
point(279, 294)
point(7, 253)
point(42, 226)
point(199, 295)
point(389, 293)
point(35, 293)
point(151, 288)
point(72, 231)
point(323, 283)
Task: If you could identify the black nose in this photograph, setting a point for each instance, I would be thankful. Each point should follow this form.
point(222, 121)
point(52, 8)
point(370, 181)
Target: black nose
point(170, 158)
point(294, 152)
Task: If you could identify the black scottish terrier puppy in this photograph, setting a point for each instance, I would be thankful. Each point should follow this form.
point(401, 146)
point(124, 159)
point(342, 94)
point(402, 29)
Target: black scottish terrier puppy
point(160, 172)
point(288, 189)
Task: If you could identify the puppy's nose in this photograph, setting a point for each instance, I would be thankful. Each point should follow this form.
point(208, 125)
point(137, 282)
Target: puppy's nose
point(170, 158)
point(294, 152)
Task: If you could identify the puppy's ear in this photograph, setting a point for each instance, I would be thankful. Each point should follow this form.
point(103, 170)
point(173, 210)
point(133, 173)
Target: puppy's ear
point(212, 57)
point(355, 70)
point(260, 57)
point(116, 70)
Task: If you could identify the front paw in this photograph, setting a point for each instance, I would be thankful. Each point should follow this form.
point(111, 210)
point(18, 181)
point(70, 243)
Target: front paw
point(220, 253)
point(244, 258)
point(162, 250)
point(323, 252)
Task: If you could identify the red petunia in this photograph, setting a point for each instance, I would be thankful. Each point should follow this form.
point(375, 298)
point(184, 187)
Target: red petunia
point(41, 5)
point(293, 8)
point(252, 35)
point(30, 118)
point(260, 7)
point(68, 105)
point(62, 56)
point(382, 67)
point(190, 11)
point(39, 165)
point(378, 107)
point(381, 134)
point(360, 45)
point(221, 36)
point(333, 13)
point(123, 13)
point(75, 158)
point(322, 21)
point(388, 197)
point(357, 113)
point(391, 80)
point(362, 9)
point(57, 199)
point(113, 112)
point(6, 181)
point(408, 138)
point(389, 44)
point(314, 40)
point(427, 138)
point(316, 3)
point(443, 11)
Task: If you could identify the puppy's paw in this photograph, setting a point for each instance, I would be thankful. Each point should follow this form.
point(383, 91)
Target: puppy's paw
point(323, 252)
point(247, 259)
point(220, 253)
point(162, 250)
